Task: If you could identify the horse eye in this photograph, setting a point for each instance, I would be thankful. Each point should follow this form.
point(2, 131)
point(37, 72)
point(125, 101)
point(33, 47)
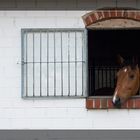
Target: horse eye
point(131, 76)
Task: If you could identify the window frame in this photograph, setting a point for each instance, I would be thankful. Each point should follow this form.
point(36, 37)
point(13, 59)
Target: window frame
point(85, 68)
point(105, 102)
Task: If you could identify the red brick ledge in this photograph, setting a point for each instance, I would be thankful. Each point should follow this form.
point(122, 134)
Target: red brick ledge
point(106, 103)
point(101, 15)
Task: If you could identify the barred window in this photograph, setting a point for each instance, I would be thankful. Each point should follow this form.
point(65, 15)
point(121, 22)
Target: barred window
point(53, 63)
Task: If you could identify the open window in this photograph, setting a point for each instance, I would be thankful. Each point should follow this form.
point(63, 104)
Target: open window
point(103, 47)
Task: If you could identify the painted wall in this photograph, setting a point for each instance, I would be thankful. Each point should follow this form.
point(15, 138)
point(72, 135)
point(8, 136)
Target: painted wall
point(17, 113)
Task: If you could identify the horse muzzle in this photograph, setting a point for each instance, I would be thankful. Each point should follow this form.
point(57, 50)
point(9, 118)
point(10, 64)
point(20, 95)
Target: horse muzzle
point(117, 102)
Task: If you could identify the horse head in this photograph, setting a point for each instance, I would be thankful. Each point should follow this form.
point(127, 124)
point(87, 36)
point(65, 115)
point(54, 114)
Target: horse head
point(128, 82)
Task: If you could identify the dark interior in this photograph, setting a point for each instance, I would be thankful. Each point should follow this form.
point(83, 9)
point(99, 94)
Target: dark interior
point(103, 48)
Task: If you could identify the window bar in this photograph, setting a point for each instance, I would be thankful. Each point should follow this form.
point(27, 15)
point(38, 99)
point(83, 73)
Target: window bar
point(113, 69)
point(98, 77)
point(68, 63)
point(102, 78)
point(47, 63)
point(114, 74)
point(33, 68)
point(23, 65)
point(54, 68)
point(59, 62)
point(26, 66)
point(61, 66)
point(75, 66)
point(106, 73)
point(92, 71)
point(114, 77)
point(110, 77)
point(95, 78)
point(40, 63)
point(89, 86)
point(82, 64)
point(92, 80)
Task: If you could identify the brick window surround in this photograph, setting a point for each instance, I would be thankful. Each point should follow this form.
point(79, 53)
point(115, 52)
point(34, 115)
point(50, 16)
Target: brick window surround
point(102, 15)
point(106, 103)
point(99, 16)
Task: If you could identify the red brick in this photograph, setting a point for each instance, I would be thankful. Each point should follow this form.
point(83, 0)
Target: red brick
point(88, 21)
point(125, 14)
point(130, 104)
point(103, 103)
point(120, 13)
point(107, 104)
point(89, 103)
point(97, 103)
point(113, 13)
point(124, 106)
point(93, 103)
point(138, 16)
point(137, 103)
point(93, 17)
point(106, 14)
point(131, 14)
point(100, 15)
point(110, 104)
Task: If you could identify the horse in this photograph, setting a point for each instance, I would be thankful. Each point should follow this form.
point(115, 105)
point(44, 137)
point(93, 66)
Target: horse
point(128, 82)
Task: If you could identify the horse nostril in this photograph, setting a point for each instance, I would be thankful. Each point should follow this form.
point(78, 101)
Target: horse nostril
point(117, 102)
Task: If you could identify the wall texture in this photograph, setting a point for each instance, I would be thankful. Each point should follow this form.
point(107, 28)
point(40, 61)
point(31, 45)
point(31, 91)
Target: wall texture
point(17, 113)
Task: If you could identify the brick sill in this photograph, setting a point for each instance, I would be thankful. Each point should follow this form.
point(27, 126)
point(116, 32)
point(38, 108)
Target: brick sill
point(105, 102)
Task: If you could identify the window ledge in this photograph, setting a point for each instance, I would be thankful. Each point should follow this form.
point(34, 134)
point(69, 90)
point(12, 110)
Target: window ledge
point(106, 103)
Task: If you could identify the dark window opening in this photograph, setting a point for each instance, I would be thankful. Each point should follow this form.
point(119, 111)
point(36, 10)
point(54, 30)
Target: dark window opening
point(103, 47)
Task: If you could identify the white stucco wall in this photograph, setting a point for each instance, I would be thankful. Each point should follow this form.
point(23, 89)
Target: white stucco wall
point(17, 113)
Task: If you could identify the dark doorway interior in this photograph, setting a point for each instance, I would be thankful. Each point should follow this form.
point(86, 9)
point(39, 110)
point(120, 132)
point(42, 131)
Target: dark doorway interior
point(103, 48)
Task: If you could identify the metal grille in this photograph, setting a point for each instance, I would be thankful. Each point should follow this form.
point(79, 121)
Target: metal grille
point(53, 63)
point(102, 80)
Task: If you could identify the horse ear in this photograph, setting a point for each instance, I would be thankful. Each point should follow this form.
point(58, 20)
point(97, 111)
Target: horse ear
point(135, 60)
point(134, 64)
point(120, 60)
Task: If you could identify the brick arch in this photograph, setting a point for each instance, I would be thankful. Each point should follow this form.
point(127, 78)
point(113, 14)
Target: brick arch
point(102, 15)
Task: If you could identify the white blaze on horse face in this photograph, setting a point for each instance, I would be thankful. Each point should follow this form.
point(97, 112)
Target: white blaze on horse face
point(125, 70)
point(115, 95)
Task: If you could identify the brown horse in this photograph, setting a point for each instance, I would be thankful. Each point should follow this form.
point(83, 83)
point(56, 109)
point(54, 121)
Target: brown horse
point(128, 82)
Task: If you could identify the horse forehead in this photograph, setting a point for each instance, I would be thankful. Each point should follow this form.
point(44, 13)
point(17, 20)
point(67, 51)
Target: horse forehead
point(124, 71)
point(122, 78)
